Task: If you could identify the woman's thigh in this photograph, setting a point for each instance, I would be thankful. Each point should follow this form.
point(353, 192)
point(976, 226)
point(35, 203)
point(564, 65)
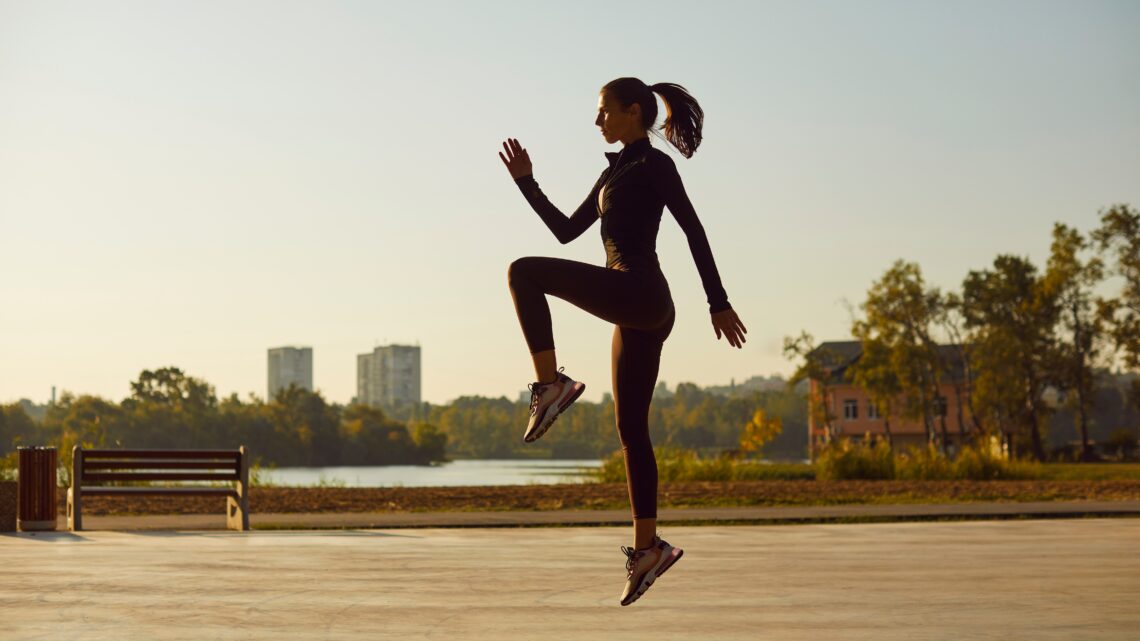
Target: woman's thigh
point(621, 298)
point(636, 358)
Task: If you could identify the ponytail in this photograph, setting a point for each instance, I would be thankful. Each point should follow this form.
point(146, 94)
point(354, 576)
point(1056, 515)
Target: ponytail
point(683, 115)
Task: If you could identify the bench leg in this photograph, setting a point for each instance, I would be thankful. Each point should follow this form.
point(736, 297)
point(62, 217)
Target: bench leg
point(74, 493)
point(237, 510)
point(237, 513)
point(74, 510)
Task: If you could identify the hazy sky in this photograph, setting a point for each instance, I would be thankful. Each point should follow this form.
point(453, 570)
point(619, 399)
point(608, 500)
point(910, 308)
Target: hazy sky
point(191, 183)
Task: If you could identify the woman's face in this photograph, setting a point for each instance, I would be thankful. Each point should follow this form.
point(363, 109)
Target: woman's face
point(616, 122)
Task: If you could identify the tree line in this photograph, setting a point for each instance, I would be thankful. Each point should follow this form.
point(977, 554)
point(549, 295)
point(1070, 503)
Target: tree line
point(687, 417)
point(168, 409)
point(1021, 331)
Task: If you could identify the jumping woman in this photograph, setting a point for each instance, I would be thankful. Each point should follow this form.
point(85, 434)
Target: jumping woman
point(630, 291)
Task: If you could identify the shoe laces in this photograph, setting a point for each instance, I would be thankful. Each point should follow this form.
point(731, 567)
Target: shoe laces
point(632, 555)
point(536, 389)
point(535, 394)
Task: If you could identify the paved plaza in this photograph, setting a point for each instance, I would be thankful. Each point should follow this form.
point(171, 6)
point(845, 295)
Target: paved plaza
point(1066, 579)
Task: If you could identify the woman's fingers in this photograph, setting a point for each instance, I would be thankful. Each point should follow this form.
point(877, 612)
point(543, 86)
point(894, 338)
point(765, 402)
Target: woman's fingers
point(514, 149)
point(733, 335)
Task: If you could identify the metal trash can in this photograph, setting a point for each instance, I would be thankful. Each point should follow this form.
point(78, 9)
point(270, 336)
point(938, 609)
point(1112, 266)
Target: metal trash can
point(38, 506)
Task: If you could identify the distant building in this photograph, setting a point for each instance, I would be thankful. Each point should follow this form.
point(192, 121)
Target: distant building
point(290, 366)
point(389, 376)
point(853, 415)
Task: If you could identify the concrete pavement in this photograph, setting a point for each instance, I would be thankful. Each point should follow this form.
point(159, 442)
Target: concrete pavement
point(516, 518)
point(1068, 579)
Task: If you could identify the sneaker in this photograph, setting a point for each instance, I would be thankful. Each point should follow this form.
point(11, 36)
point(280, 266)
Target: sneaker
point(639, 581)
point(547, 401)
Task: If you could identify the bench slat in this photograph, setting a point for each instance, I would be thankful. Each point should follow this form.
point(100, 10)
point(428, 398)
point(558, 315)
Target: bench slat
point(159, 476)
point(175, 454)
point(200, 491)
point(105, 464)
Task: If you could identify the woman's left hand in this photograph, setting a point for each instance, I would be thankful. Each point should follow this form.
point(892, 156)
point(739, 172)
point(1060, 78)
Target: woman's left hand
point(728, 323)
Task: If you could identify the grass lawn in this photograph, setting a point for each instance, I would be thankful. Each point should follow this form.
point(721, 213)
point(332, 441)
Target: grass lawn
point(1090, 471)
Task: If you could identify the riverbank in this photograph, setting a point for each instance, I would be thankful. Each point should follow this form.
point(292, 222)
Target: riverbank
point(613, 496)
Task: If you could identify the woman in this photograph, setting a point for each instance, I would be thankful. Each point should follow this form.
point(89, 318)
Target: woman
point(630, 291)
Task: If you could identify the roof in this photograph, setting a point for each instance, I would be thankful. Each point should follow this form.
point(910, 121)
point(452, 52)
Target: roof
point(838, 356)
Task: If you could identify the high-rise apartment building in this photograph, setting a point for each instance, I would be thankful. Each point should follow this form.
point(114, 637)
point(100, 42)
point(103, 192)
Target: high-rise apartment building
point(290, 366)
point(388, 376)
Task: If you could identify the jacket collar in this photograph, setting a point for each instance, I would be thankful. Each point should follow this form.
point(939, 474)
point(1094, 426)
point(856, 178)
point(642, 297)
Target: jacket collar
point(632, 150)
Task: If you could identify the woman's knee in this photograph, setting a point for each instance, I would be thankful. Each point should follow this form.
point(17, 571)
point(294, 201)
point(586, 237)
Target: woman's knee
point(634, 437)
point(519, 269)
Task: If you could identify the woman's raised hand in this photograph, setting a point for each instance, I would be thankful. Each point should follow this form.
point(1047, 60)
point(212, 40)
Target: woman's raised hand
point(728, 324)
point(516, 159)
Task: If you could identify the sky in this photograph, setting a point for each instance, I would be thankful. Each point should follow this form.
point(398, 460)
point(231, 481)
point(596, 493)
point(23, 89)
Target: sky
point(191, 183)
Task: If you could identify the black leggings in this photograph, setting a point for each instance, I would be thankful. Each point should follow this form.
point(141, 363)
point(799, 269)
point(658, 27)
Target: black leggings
point(639, 305)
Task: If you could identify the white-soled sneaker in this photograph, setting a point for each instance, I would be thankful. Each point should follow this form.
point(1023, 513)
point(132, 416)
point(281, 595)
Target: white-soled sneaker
point(547, 401)
point(638, 581)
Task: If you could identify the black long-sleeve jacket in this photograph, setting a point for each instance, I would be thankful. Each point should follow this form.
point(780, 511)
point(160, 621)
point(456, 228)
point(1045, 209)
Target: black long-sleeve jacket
point(629, 197)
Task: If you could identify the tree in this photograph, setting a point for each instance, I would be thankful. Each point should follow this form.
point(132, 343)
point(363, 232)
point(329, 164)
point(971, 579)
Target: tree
point(1082, 321)
point(901, 314)
point(953, 324)
point(877, 376)
point(431, 442)
point(1011, 316)
point(816, 365)
point(308, 426)
point(86, 421)
point(759, 431)
point(16, 427)
point(1119, 233)
point(167, 408)
point(170, 386)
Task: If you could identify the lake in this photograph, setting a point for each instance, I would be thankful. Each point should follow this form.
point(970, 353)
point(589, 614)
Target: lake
point(462, 472)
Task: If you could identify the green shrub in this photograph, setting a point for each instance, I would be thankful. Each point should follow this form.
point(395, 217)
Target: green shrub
point(841, 460)
point(844, 460)
point(983, 464)
point(8, 465)
point(678, 464)
point(923, 464)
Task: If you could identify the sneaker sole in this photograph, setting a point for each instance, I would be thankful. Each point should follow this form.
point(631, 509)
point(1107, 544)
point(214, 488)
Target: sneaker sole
point(557, 408)
point(653, 576)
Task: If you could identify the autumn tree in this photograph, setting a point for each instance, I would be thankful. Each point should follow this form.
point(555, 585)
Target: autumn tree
point(876, 374)
point(1011, 315)
point(1070, 277)
point(1119, 235)
point(900, 318)
point(759, 431)
point(953, 324)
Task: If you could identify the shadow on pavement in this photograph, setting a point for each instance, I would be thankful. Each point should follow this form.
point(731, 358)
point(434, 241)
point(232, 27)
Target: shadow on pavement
point(48, 536)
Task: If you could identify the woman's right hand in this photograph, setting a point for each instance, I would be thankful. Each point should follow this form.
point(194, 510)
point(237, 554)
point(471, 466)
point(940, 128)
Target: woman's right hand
point(516, 159)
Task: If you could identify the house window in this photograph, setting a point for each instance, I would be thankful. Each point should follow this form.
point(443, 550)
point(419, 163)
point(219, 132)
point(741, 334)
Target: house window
point(850, 409)
point(872, 411)
point(940, 406)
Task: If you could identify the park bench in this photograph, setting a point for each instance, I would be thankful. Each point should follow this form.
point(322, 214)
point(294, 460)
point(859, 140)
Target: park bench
point(96, 466)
